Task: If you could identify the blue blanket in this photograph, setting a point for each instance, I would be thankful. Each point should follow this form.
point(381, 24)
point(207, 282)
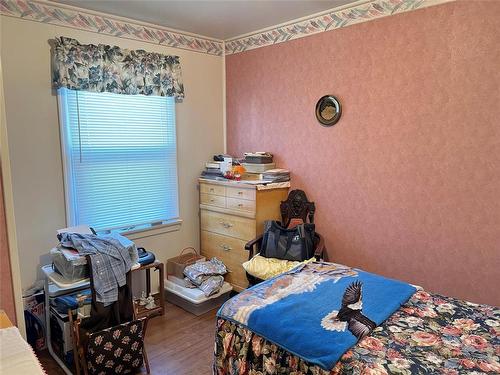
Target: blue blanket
point(319, 310)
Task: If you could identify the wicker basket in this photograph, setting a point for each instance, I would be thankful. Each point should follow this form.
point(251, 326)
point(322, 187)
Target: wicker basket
point(176, 265)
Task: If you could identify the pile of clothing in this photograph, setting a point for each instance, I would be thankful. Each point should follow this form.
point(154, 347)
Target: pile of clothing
point(207, 276)
point(112, 257)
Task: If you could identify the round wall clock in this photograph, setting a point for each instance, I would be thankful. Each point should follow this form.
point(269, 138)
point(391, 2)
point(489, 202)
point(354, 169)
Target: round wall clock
point(328, 110)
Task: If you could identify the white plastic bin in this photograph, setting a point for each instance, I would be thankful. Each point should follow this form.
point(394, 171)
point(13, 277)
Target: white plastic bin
point(193, 300)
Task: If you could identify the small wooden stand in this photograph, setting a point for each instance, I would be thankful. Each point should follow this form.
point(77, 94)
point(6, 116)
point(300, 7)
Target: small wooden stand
point(141, 311)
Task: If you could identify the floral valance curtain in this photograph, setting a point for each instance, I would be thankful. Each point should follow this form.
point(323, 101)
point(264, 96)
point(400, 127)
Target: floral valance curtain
point(103, 68)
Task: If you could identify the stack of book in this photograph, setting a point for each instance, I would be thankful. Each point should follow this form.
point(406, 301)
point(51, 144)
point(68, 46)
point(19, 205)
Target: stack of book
point(258, 157)
point(258, 162)
point(212, 170)
point(258, 167)
point(276, 175)
point(272, 175)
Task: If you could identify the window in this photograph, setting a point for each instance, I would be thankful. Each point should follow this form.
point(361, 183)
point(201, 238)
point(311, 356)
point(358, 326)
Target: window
point(120, 159)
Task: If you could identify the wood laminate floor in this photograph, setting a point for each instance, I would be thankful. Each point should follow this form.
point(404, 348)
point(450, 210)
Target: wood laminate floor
point(178, 343)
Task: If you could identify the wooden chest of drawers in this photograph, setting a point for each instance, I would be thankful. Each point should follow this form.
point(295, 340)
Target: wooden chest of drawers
point(231, 214)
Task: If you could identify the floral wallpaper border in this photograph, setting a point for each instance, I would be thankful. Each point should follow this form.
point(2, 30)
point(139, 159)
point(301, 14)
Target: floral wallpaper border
point(326, 21)
point(55, 14)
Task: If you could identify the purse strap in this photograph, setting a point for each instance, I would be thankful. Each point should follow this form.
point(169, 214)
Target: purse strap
point(301, 230)
point(289, 239)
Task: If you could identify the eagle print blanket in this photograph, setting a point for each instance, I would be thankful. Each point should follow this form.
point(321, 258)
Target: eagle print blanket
point(336, 305)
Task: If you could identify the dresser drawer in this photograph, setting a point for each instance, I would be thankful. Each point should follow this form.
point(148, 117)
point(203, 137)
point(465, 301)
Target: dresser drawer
point(234, 192)
point(229, 225)
point(212, 189)
point(213, 200)
point(240, 204)
point(231, 251)
point(237, 278)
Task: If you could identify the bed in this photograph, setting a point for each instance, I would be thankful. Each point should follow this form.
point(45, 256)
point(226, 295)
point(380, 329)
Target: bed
point(427, 333)
point(16, 355)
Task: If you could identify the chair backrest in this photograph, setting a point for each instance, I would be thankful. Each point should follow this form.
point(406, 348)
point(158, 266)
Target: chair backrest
point(117, 349)
point(110, 340)
point(297, 206)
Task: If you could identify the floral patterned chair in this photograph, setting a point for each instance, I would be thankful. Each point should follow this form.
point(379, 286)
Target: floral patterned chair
point(117, 349)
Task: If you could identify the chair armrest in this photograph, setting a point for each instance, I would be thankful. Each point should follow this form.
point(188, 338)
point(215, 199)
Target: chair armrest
point(320, 247)
point(251, 244)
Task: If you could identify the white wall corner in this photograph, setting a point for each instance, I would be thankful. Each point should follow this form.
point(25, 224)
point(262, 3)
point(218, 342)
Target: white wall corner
point(8, 198)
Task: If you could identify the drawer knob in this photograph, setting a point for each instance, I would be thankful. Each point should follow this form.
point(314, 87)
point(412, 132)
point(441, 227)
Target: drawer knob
point(240, 192)
point(212, 200)
point(225, 225)
point(225, 247)
point(240, 204)
point(212, 190)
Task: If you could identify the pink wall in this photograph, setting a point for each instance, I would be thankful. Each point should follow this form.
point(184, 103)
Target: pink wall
point(407, 184)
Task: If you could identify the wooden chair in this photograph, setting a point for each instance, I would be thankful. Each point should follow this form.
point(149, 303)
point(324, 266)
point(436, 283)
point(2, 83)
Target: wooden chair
point(104, 350)
point(295, 209)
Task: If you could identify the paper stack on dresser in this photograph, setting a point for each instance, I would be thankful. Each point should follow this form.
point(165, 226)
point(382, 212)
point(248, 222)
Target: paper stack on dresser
point(276, 175)
point(212, 170)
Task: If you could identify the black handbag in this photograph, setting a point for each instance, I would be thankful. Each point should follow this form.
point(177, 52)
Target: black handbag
point(295, 244)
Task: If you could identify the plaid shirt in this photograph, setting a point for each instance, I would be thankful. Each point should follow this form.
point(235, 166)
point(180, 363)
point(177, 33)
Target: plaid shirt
point(111, 260)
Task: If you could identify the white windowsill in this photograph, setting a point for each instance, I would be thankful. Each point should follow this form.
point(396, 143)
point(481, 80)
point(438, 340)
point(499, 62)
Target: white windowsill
point(171, 226)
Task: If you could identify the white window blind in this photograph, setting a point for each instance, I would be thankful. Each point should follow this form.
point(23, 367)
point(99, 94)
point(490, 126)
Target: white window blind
point(120, 159)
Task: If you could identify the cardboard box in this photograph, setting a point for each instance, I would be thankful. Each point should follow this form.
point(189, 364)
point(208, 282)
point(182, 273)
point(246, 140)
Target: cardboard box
point(34, 316)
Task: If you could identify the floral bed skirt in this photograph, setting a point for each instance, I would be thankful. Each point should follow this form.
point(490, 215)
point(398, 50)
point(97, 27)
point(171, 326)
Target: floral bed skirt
point(430, 334)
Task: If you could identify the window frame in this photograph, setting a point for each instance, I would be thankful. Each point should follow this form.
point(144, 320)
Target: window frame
point(133, 232)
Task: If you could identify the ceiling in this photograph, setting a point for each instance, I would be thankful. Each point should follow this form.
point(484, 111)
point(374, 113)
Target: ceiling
point(216, 19)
